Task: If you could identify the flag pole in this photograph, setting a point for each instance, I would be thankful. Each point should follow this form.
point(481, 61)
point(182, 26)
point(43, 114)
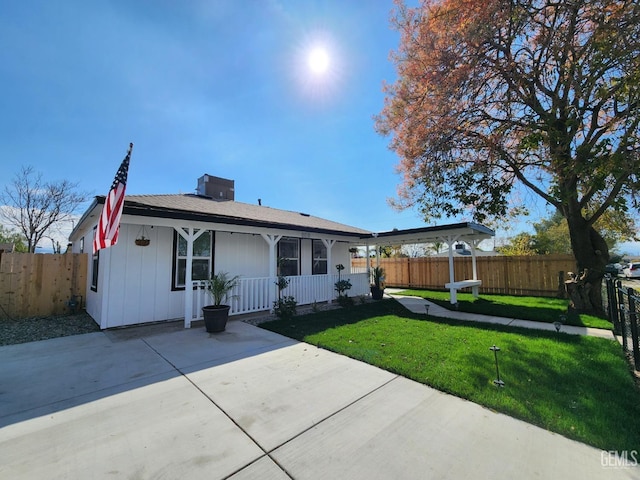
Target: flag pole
point(108, 227)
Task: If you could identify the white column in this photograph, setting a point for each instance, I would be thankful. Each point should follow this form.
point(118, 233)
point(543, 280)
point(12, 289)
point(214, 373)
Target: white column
point(329, 244)
point(377, 247)
point(474, 245)
point(190, 235)
point(368, 264)
point(450, 240)
point(272, 241)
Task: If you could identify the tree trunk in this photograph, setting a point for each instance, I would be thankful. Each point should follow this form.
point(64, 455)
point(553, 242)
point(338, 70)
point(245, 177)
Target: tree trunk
point(592, 255)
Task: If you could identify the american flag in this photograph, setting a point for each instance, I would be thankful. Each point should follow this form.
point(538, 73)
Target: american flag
point(109, 223)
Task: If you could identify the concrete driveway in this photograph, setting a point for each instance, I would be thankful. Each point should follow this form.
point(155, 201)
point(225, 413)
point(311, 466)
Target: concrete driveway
point(164, 402)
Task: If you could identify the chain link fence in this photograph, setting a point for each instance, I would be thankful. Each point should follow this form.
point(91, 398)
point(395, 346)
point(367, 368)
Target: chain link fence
point(622, 305)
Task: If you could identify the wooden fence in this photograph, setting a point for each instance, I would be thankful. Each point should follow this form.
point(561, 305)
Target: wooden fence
point(539, 275)
point(40, 284)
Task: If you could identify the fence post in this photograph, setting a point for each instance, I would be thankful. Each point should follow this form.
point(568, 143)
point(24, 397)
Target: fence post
point(623, 319)
point(562, 292)
point(613, 305)
point(633, 318)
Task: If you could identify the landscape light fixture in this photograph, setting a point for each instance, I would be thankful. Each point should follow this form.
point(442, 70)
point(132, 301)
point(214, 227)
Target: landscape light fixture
point(558, 324)
point(497, 382)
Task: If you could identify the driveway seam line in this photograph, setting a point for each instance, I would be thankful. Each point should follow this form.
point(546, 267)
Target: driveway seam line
point(333, 414)
point(223, 411)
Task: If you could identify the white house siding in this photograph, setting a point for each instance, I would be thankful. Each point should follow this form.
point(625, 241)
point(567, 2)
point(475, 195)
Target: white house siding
point(137, 280)
point(247, 255)
point(241, 254)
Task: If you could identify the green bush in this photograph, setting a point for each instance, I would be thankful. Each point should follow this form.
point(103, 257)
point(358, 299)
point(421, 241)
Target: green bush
point(285, 308)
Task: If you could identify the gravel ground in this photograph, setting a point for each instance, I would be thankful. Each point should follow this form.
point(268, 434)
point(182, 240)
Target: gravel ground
point(43, 328)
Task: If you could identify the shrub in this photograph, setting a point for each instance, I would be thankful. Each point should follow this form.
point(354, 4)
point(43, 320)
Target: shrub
point(285, 308)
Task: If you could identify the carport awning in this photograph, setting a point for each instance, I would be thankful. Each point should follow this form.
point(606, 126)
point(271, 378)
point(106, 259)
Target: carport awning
point(470, 233)
point(463, 232)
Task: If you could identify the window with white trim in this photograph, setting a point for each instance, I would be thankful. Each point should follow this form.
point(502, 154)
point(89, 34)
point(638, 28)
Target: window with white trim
point(319, 265)
point(289, 256)
point(202, 261)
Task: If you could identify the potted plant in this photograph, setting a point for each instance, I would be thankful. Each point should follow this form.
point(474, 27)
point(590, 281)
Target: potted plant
point(219, 287)
point(377, 288)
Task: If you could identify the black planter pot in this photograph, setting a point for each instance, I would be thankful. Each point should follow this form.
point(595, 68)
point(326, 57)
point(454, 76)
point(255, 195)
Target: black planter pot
point(377, 293)
point(215, 317)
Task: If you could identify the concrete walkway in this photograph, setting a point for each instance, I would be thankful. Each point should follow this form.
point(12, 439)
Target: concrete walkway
point(418, 304)
point(164, 402)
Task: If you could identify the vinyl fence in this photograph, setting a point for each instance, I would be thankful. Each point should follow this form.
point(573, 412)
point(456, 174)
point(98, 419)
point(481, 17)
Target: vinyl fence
point(538, 275)
point(41, 284)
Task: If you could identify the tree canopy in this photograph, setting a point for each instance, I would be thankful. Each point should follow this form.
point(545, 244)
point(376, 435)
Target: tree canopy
point(493, 95)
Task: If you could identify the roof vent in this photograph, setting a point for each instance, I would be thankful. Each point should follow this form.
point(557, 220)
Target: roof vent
point(216, 188)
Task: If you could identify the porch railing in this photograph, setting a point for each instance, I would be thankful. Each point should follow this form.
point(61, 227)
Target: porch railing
point(258, 294)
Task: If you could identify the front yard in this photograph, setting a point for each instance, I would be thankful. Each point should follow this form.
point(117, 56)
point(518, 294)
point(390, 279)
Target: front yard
point(580, 387)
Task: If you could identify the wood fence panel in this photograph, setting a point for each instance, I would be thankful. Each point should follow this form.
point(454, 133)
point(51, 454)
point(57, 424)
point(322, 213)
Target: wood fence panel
point(537, 275)
point(40, 284)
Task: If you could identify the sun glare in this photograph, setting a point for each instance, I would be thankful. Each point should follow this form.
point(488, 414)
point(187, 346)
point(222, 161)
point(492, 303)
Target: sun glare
point(318, 68)
point(318, 60)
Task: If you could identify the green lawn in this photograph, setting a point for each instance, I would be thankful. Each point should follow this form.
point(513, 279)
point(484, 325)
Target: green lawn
point(539, 309)
point(580, 387)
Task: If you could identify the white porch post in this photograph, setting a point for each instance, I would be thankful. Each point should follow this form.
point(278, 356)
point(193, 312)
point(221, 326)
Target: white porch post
point(272, 241)
point(190, 235)
point(474, 245)
point(368, 264)
point(450, 240)
point(329, 244)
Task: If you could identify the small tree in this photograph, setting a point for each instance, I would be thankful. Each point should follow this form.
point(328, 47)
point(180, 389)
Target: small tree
point(285, 307)
point(33, 206)
point(7, 236)
point(342, 287)
point(519, 245)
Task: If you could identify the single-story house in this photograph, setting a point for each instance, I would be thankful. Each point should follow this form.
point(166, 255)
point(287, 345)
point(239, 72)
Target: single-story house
point(169, 245)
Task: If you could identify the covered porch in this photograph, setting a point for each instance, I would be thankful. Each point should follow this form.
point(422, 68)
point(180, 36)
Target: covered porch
point(258, 294)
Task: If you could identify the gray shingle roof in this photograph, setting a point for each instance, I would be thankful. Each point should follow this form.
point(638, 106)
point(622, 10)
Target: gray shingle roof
point(191, 206)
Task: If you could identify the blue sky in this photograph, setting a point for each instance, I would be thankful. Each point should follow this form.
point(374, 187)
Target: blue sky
point(206, 86)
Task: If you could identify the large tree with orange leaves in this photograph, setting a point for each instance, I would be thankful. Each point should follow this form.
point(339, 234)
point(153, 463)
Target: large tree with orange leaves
point(542, 93)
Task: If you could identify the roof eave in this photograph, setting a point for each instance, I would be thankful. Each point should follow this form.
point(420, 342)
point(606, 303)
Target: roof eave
point(96, 201)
